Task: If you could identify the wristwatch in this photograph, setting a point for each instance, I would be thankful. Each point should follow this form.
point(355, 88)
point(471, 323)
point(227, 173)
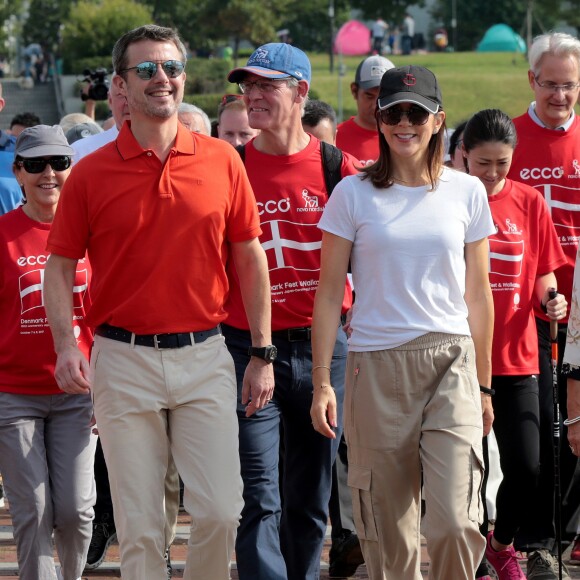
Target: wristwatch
point(267, 353)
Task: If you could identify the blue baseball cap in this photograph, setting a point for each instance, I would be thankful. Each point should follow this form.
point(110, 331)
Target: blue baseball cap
point(276, 60)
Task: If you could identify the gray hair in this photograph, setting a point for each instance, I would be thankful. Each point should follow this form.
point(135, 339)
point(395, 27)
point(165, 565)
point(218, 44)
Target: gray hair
point(189, 108)
point(294, 82)
point(554, 43)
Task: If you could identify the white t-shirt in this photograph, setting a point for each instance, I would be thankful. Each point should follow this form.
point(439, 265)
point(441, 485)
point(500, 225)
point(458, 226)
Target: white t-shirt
point(407, 260)
point(82, 147)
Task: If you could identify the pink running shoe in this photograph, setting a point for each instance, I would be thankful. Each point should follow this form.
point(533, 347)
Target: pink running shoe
point(505, 562)
point(575, 555)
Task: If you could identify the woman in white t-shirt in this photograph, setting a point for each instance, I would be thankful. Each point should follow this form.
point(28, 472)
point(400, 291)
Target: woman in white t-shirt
point(420, 350)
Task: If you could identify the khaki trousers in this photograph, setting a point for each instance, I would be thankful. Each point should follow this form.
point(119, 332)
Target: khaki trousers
point(410, 410)
point(150, 403)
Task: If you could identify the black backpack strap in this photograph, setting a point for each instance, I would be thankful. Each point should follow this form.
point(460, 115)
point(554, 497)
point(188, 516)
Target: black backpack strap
point(241, 149)
point(331, 165)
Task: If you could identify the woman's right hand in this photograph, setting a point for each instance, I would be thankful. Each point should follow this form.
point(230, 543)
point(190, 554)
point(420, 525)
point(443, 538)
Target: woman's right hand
point(323, 411)
point(487, 413)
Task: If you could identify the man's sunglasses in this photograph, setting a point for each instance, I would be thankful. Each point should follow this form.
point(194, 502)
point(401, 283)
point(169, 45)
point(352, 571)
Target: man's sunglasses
point(38, 164)
point(415, 115)
point(148, 69)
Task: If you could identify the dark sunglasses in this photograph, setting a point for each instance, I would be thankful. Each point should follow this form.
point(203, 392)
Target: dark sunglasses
point(227, 99)
point(147, 70)
point(393, 115)
point(38, 164)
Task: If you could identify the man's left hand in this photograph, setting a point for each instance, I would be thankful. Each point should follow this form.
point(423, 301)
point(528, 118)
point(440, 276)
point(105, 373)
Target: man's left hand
point(258, 385)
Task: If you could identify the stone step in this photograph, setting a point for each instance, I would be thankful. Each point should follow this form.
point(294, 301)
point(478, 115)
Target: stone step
point(41, 100)
point(110, 567)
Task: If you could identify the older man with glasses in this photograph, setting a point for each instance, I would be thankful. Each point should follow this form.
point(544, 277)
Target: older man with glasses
point(176, 207)
point(547, 157)
point(280, 540)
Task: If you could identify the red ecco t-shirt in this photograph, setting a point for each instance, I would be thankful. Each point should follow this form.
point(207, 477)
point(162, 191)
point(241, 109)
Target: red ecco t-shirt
point(27, 357)
point(549, 160)
point(524, 247)
point(291, 196)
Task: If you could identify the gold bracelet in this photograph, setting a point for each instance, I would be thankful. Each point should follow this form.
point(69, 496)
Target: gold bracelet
point(320, 367)
point(324, 386)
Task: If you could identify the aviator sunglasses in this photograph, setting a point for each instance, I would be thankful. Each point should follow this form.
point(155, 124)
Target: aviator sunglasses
point(148, 69)
point(38, 164)
point(415, 115)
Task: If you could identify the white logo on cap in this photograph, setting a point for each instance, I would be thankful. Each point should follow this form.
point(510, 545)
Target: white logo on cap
point(261, 55)
point(378, 71)
point(297, 73)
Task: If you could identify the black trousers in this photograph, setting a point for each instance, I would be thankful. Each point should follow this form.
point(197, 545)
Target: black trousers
point(537, 530)
point(104, 505)
point(517, 430)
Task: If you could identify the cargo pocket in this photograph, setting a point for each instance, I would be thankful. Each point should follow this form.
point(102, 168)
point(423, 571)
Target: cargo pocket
point(475, 507)
point(359, 480)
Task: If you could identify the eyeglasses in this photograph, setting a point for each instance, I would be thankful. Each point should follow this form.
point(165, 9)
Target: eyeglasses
point(38, 164)
point(554, 88)
point(148, 69)
point(262, 86)
point(227, 99)
point(393, 115)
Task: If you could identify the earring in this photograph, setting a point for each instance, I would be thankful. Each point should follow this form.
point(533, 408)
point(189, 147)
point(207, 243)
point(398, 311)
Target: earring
point(436, 131)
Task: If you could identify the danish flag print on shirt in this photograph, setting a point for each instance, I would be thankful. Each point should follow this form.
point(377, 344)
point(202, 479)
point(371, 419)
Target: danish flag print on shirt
point(563, 204)
point(32, 294)
point(505, 258)
point(288, 244)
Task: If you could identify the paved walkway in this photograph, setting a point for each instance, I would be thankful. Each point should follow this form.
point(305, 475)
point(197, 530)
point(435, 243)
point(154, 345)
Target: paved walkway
point(110, 567)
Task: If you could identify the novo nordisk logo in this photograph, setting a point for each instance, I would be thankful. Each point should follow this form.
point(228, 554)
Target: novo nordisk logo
point(261, 55)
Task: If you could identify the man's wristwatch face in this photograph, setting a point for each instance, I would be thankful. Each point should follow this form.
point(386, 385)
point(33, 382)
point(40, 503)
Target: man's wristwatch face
point(267, 353)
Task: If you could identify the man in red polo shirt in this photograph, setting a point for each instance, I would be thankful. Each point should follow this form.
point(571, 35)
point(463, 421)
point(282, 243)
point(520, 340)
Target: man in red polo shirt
point(175, 207)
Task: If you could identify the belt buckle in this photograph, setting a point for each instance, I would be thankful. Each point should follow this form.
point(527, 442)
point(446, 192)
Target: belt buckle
point(156, 343)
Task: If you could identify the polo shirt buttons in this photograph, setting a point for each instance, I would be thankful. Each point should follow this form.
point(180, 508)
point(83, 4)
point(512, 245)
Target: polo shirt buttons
point(149, 154)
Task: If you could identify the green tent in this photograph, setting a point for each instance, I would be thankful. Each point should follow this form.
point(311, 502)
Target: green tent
point(501, 38)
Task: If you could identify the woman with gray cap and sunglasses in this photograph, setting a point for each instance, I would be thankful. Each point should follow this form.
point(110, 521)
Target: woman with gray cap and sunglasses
point(46, 444)
point(420, 350)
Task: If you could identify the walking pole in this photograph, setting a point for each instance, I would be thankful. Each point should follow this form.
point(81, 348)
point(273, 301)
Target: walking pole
point(556, 437)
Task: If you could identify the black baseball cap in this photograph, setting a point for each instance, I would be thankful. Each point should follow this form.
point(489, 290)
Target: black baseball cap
point(410, 84)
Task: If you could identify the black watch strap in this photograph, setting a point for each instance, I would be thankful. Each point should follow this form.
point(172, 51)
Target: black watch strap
point(267, 353)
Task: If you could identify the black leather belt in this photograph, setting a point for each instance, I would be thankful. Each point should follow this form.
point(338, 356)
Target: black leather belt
point(157, 341)
point(293, 334)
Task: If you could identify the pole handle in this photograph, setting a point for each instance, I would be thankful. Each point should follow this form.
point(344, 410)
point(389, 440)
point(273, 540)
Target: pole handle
point(553, 323)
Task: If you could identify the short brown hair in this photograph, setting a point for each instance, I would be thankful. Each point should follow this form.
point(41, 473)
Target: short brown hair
point(146, 32)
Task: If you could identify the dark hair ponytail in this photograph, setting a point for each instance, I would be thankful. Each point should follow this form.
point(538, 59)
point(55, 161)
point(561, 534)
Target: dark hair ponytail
point(489, 126)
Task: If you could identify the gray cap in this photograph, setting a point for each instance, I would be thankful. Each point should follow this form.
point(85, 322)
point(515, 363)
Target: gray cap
point(42, 140)
point(371, 70)
point(82, 130)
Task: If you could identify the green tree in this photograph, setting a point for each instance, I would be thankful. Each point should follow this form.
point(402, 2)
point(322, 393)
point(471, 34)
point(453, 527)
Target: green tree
point(309, 23)
point(571, 13)
point(44, 22)
point(391, 10)
point(475, 17)
point(9, 9)
point(253, 20)
point(92, 28)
